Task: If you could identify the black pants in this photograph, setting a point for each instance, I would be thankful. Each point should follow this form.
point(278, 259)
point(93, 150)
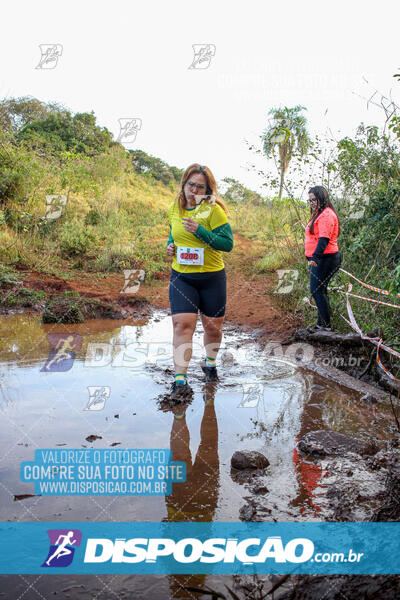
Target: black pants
point(319, 279)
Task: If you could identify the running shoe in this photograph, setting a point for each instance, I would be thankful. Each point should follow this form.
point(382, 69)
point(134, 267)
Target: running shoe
point(210, 372)
point(180, 391)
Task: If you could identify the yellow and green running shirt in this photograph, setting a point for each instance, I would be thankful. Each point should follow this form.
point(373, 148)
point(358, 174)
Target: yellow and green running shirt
point(209, 216)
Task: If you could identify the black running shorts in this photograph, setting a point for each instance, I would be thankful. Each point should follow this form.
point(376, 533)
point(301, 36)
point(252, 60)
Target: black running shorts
point(193, 292)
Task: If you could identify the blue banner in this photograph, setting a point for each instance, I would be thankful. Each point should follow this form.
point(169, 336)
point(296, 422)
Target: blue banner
point(220, 548)
point(104, 472)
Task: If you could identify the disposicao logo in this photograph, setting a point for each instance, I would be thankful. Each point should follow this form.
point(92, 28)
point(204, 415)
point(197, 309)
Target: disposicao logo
point(190, 550)
point(62, 547)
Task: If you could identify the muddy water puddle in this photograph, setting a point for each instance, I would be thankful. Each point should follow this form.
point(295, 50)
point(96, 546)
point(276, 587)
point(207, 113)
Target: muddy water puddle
point(61, 384)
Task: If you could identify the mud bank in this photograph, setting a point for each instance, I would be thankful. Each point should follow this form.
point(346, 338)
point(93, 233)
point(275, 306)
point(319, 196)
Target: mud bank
point(57, 303)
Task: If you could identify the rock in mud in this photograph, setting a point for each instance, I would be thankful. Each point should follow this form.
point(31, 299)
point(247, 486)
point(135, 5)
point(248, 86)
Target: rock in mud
point(369, 398)
point(340, 504)
point(260, 489)
point(332, 443)
point(247, 512)
point(93, 437)
point(227, 360)
point(249, 459)
point(246, 476)
point(390, 509)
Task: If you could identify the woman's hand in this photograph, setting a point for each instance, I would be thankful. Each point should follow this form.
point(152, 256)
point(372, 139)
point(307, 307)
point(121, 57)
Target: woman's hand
point(312, 263)
point(190, 225)
point(171, 249)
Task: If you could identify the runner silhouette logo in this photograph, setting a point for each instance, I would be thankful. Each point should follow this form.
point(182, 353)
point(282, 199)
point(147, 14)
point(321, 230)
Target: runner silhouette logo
point(62, 547)
point(63, 347)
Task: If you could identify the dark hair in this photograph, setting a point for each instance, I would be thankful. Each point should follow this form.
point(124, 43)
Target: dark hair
point(202, 170)
point(323, 202)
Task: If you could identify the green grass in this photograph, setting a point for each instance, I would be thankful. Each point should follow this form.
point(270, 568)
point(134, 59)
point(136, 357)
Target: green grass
point(21, 298)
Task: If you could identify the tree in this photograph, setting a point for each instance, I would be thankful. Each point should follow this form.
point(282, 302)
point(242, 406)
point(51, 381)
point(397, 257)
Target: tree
point(288, 133)
point(15, 113)
point(64, 132)
point(237, 193)
point(155, 167)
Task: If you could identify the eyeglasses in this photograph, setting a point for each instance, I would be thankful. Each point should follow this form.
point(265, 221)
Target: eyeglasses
point(199, 186)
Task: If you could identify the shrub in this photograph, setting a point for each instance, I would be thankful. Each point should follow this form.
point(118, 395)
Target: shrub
point(76, 242)
point(63, 310)
point(92, 217)
point(274, 260)
point(116, 258)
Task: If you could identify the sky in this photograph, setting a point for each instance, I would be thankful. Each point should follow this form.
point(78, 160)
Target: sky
point(130, 60)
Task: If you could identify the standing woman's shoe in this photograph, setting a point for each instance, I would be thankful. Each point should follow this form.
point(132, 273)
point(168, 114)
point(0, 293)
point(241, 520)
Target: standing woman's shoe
point(315, 328)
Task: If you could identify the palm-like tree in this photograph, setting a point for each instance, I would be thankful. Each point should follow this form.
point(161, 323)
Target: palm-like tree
point(287, 131)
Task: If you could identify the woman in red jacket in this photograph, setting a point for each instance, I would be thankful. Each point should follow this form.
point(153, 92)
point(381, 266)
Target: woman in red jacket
point(322, 251)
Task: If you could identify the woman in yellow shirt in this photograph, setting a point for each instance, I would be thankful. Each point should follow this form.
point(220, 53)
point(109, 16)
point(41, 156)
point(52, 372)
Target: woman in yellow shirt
point(199, 233)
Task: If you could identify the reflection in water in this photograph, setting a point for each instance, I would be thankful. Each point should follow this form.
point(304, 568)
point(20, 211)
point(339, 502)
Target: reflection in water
point(259, 404)
point(308, 473)
point(195, 499)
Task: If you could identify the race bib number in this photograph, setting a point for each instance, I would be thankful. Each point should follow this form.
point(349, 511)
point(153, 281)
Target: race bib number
point(190, 256)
